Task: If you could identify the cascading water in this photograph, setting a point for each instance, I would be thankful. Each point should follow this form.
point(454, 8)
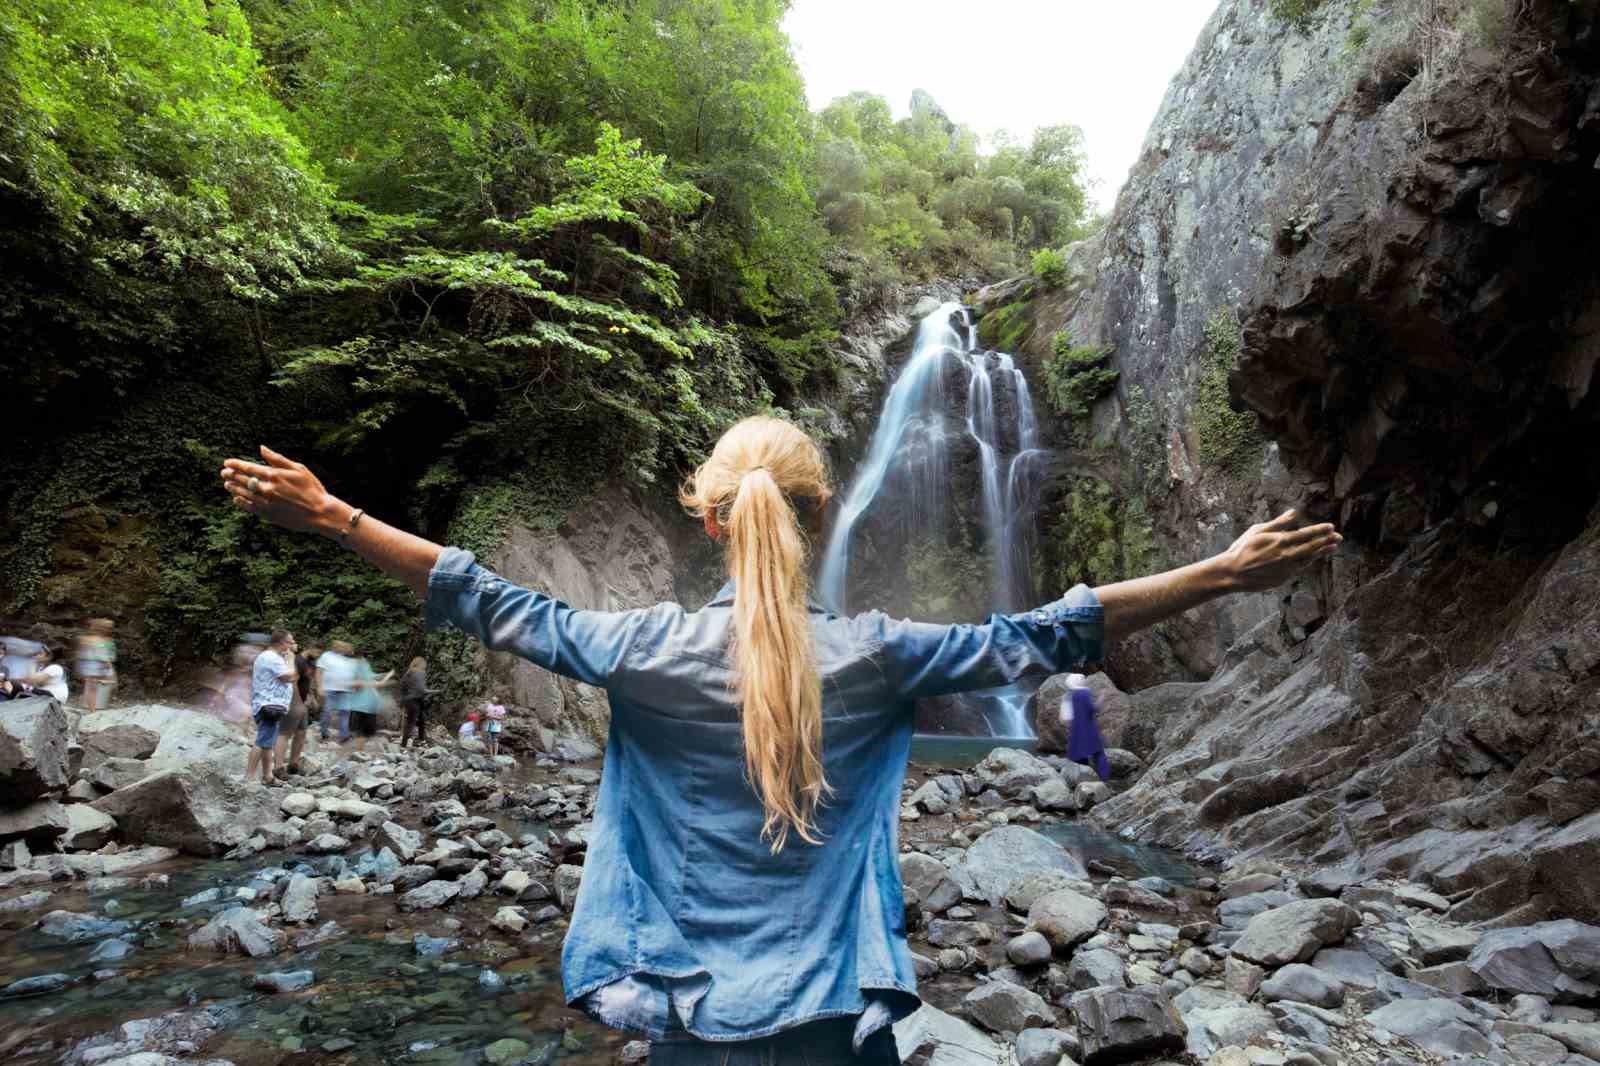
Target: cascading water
point(909, 457)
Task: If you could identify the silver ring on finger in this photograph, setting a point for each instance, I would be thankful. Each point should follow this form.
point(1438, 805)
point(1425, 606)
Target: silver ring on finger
point(253, 484)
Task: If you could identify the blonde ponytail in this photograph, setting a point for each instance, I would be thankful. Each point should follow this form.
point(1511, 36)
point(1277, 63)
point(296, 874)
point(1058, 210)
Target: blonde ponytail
point(762, 474)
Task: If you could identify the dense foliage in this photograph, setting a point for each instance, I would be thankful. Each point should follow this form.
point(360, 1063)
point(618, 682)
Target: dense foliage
point(467, 258)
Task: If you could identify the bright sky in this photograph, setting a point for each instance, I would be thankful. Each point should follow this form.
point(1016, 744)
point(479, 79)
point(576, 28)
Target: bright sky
point(1008, 64)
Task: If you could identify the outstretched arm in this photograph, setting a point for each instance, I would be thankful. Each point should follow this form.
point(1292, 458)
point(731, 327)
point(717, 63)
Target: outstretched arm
point(285, 493)
point(1264, 556)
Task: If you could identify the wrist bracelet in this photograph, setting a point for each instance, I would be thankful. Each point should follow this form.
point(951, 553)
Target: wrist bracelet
point(355, 520)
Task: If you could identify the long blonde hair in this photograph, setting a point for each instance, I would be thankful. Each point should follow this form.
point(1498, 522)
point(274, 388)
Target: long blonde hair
point(764, 481)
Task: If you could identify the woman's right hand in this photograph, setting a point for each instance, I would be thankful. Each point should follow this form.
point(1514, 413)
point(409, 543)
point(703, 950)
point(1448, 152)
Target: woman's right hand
point(1270, 553)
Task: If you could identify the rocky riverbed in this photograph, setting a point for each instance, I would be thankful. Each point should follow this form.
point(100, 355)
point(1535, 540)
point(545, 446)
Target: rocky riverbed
point(410, 906)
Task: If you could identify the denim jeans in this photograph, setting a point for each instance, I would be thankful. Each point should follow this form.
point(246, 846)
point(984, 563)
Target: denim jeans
point(824, 1043)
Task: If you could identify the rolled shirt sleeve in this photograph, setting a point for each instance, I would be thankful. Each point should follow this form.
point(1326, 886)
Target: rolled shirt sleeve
point(588, 646)
point(924, 659)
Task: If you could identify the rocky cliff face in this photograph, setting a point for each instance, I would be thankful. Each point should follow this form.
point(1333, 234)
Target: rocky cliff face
point(1377, 228)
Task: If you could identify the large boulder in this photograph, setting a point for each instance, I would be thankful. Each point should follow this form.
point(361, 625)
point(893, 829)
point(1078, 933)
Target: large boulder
point(1006, 853)
point(1007, 1008)
point(87, 828)
point(241, 931)
point(198, 811)
point(1119, 726)
point(1117, 1025)
point(40, 822)
point(1441, 1026)
point(1558, 960)
point(1013, 771)
point(33, 749)
point(188, 739)
point(1295, 931)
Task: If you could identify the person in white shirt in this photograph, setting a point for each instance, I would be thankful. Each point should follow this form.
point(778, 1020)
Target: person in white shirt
point(336, 674)
point(47, 676)
point(272, 679)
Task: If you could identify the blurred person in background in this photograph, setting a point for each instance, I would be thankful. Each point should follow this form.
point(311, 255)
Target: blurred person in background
point(366, 700)
point(414, 700)
point(97, 662)
point(335, 675)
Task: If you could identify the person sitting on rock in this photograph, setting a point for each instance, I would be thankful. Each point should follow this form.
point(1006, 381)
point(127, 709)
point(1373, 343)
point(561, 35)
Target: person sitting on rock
point(47, 677)
point(747, 895)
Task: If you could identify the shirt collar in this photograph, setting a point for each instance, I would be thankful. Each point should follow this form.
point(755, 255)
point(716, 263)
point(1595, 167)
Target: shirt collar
point(724, 598)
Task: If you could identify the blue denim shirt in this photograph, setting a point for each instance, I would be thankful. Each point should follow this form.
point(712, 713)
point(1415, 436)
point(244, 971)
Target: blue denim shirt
point(685, 920)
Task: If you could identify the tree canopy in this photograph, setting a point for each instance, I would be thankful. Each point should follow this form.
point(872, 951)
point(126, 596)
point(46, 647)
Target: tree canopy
point(454, 252)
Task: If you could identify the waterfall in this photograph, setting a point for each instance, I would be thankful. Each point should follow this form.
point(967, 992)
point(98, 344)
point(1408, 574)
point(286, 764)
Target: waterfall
point(908, 459)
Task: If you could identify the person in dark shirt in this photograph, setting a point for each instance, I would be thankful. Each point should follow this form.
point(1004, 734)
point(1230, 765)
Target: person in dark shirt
point(414, 697)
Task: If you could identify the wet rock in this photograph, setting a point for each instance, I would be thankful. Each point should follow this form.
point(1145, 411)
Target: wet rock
point(1303, 984)
point(327, 844)
point(444, 809)
point(429, 947)
point(350, 886)
point(509, 920)
point(1066, 918)
point(506, 1051)
point(513, 884)
point(1003, 1007)
point(1558, 960)
point(1005, 854)
point(1442, 1026)
point(240, 930)
point(1116, 1025)
point(405, 842)
point(429, 896)
point(279, 835)
point(1094, 967)
point(111, 950)
point(547, 913)
point(198, 811)
point(72, 926)
point(408, 877)
point(299, 902)
point(320, 935)
point(28, 901)
point(286, 981)
point(1294, 931)
point(473, 884)
point(930, 1037)
point(33, 749)
point(1029, 949)
point(1089, 794)
point(44, 984)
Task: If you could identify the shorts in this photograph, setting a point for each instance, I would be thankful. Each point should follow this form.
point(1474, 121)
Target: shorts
point(294, 722)
point(267, 732)
point(365, 725)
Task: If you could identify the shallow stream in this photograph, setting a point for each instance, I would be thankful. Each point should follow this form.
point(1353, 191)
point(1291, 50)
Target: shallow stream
point(377, 996)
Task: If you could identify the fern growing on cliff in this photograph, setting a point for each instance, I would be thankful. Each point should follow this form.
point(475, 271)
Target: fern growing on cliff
point(1229, 439)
